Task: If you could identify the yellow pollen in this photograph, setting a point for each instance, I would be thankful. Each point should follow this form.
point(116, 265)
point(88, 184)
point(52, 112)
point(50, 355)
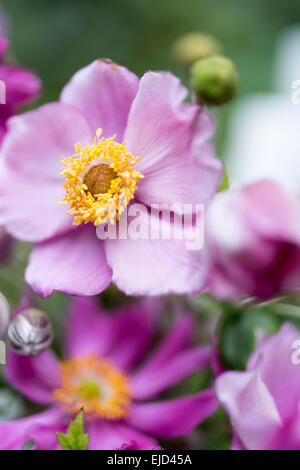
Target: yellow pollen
point(94, 385)
point(100, 181)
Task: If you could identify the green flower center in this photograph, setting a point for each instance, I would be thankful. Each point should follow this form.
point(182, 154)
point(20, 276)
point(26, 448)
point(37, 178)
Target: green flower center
point(89, 390)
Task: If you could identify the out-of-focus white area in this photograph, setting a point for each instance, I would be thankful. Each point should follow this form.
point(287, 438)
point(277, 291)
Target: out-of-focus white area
point(287, 60)
point(264, 133)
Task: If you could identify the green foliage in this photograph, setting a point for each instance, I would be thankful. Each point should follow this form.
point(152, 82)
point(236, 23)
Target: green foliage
point(239, 334)
point(224, 185)
point(75, 439)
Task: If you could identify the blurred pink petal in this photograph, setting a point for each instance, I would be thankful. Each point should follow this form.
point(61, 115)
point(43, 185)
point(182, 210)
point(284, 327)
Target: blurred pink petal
point(39, 428)
point(263, 401)
point(173, 418)
point(113, 436)
point(253, 241)
point(147, 385)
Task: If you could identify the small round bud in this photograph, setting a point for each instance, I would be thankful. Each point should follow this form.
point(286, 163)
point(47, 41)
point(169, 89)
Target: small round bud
point(214, 79)
point(4, 316)
point(193, 46)
point(30, 332)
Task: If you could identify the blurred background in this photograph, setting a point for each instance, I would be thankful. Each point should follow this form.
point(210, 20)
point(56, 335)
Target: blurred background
point(57, 37)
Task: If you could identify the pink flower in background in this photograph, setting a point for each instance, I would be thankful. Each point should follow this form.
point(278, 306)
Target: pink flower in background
point(19, 87)
point(175, 164)
point(103, 374)
point(22, 87)
point(263, 402)
point(253, 240)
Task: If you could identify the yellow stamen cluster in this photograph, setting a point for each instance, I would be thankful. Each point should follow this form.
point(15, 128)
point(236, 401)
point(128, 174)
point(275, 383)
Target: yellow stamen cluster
point(86, 206)
point(94, 385)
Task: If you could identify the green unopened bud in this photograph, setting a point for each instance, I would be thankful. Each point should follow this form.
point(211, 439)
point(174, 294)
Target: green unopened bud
point(193, 46)
point(214, 79)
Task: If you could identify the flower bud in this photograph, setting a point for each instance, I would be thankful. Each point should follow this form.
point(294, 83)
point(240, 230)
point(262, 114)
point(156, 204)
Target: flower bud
point(214, 79)
point(193, 46)
point(30, 332)
point(4, 315)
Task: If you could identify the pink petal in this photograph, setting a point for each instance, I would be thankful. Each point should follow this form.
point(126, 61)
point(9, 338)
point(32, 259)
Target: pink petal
point(74, 264)
point(146, 385)
point(237, 444)
point(289, 436)
point(178, 338)
point(270, 209)
point(39, 428)
point(253, 241)
point(283, 380)
point(34, 377)
point(89, 329)
point(93, 331)
point(173, 418)
point(251, 407)
point(103, 91)
point(30, 185)
point(22, 85)
point(139, 320)
point(147, 266)
point(171, 139)
point(106, 435)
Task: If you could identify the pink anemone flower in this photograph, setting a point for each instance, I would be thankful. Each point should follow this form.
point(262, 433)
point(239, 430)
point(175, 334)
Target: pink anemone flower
point(124, 141)
point(263, 401)
point(104, 374)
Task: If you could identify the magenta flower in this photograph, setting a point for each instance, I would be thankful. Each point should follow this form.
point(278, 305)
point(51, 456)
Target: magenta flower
point(263, 401)
point(253, 239)
point(22, 87)
point(101, 375)
point(166, 159)
point(19, 87)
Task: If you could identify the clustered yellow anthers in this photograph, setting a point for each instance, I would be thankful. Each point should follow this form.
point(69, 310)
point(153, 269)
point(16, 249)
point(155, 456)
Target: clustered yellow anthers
point(96, 386)
point(99, 208)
